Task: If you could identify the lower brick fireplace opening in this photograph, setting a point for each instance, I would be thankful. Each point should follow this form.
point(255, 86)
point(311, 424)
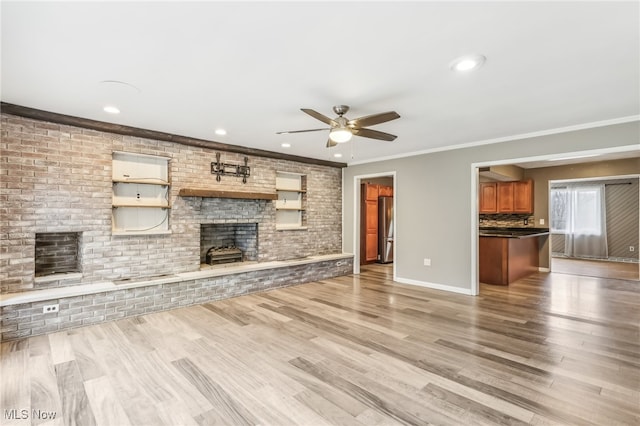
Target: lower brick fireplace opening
point(228, 242)
point(57, 253)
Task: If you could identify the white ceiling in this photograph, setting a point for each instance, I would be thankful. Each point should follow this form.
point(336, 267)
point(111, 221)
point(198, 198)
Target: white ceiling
point(249, 68)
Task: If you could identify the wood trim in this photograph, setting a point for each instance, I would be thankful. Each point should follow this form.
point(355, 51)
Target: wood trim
point(120, 129)
point(213, 193)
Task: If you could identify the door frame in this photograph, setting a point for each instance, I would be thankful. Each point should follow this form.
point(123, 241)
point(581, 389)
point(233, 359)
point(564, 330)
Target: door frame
point(589, 179)
point(357, 181)
point(474, 195)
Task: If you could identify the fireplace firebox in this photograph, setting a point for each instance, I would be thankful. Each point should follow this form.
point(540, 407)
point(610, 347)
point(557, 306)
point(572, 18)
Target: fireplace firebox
point(228, 242)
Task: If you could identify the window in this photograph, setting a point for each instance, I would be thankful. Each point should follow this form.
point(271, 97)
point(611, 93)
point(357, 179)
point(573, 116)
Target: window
point(588, 213)
point(577, 210)
point(559, 206)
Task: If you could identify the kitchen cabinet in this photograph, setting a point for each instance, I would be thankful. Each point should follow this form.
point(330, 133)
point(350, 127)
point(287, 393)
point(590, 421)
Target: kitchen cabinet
point(488, 197)
point(503, 260)
point(385, 191)
point(140, 194)
point(369, 223)
point(291, 189)
point(523, 196)
point(506, 197)
point(369, 220)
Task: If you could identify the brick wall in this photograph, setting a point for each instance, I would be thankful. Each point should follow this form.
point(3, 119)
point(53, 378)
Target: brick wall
point(57, 178)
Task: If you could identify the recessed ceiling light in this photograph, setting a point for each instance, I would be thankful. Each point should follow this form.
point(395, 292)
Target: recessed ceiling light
point(221, 132)
point(111, 109)
point(337, 155)
point(286, 145)
point(467, 63)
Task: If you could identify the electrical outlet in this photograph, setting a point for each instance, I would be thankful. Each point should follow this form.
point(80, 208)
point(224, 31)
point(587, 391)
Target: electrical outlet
point(526, 221)
point(427, 262)
point(47, 309)
point(541, 221)
point(632, 248)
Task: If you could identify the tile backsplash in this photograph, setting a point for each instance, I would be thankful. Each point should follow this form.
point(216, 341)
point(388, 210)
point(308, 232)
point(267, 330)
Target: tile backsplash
point(507, 220)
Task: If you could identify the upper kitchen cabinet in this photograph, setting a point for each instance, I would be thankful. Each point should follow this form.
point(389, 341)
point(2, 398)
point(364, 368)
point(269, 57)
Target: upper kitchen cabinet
point(488, 197)
point(385, 191)
point(506, 197)
point(523, 196)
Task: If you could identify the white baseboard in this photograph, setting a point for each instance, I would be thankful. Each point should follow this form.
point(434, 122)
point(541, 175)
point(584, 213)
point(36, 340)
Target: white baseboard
point(434, 286)
point(541, 269)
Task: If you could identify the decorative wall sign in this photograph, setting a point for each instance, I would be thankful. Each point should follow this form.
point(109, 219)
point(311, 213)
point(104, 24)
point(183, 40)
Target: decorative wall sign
point(219, 169)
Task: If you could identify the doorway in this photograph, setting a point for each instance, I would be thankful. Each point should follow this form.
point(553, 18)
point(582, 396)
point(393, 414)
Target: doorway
point(366, 236)
point(594, 226)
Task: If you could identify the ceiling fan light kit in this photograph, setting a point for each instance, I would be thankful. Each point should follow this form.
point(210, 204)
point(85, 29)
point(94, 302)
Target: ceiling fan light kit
point(340, 135)
point(343, 129)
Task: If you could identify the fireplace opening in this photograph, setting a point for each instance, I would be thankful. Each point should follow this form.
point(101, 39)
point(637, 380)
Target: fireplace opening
point(228, 243)
point(57, 253)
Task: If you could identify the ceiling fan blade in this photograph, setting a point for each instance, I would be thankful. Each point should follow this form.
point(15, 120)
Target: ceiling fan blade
point(299, 131)
point(331, 144)
point(374, 134)
point(370, 120)
point(318, 116)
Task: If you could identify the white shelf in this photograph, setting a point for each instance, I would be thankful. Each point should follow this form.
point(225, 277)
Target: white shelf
point(290, 205)
point(122, 232)
point(140, 194)
point(302, 191)
point(143, 181)
point(290, 228)
point(141, 205)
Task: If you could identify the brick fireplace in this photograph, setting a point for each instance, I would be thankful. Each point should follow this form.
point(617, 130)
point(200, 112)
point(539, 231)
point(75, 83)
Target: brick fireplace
point(101, 276)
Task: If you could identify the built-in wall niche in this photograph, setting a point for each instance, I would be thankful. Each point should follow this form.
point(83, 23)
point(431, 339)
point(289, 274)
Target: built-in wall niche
point(225, 236)
point(140, 194)
point(290, 205)
point(57, 253)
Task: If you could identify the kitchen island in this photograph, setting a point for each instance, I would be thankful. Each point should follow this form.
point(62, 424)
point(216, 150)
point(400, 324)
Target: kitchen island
point(508, 254)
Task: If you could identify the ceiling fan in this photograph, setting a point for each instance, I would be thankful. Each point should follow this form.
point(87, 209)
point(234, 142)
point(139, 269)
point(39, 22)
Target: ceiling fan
point(342, 129)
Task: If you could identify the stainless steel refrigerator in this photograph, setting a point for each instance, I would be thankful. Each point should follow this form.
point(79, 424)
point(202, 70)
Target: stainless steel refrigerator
point(385, 229)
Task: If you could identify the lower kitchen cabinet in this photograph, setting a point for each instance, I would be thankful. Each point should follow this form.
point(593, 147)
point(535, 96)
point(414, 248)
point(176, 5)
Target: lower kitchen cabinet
point(505, 260)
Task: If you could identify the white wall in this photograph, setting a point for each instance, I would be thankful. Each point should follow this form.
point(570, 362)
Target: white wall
point(434, 200)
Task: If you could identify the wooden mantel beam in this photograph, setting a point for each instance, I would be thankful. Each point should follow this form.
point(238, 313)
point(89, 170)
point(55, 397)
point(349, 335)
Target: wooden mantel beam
point(214, 193)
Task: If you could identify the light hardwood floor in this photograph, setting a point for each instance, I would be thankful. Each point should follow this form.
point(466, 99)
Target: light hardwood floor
point(596, 268)
point(551, 349)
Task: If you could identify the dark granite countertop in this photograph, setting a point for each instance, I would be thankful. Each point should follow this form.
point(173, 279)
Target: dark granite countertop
point(485, 231)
